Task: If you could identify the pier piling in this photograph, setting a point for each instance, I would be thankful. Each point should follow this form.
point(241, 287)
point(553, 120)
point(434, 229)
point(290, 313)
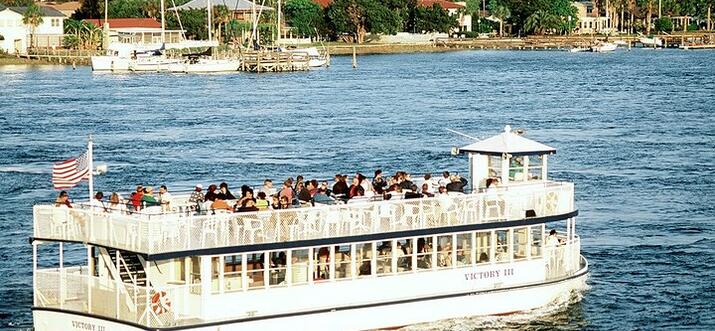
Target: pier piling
point(354, 58)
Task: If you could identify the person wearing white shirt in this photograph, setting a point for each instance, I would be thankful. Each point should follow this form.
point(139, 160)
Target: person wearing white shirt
point(97, 203)
point(445, 179)
point(268, 188)
point(165, 198)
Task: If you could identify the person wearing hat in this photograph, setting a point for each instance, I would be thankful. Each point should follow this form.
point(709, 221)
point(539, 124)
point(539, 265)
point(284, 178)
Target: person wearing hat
point(148, 200)
point(197, 197)
point(457, 185)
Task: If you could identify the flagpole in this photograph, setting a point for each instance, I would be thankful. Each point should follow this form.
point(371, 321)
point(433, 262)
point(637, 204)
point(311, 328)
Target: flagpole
point(90, 156)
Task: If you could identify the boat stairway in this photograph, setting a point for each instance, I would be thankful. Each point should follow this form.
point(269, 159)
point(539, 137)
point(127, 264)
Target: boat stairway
point(131, 267)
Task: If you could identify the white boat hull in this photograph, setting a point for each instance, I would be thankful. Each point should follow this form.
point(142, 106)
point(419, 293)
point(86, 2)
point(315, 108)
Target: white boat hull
point(319, 62)
point(603, 48)
point(650, 42)
point(110, 63)
point(208, 66)
point(405, 309)
point(152, 65)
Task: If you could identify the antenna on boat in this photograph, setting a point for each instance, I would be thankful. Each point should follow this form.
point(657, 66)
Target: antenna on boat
point(462, 134)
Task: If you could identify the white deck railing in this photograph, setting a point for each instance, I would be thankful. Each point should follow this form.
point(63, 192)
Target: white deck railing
point(163, 233)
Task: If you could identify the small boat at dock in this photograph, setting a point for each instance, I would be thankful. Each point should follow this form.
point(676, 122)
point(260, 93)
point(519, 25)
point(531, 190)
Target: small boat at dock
point(604, 47)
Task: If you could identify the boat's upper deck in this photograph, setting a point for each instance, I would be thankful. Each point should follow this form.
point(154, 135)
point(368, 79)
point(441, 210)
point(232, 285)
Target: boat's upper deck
point(184, 232)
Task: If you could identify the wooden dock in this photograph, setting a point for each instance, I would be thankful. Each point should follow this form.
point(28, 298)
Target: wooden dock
point(61, 56)
point(270, 61)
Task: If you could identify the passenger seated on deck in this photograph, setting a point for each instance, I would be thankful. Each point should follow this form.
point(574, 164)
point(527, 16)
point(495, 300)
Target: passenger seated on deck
point(98, 202)
point(115, 204)
point(261, 202)
point(197, 198)
point(247, 206)
point(224, 193)
point(355, 189)
point(136, 197)
point(492, 184)
point(483, 257)
point(148, 199)
point(268, 187)
point(322, 196)
point(303, 192)
point(412, 193)
point(211, 193)
point(285, 203)
point(340, 188)
point(378, 183)
point(457, 185)
point(63, 200)
point(552, 241)
point(275, 202)
point(247, 195)
point(326, 188)
point(425, 191)
point(287, 190)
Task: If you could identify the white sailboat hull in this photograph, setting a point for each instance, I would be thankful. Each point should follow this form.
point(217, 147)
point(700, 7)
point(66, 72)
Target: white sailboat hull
point(650, 42)
point(110, 63)
point(603, 48)
point(152, 64)
point(205, 66)
point(317, 62)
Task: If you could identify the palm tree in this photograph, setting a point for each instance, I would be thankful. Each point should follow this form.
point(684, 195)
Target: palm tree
point(33, 18)
point(541, 21)
point(502, 12)
point(648, 5)
point(221, 16)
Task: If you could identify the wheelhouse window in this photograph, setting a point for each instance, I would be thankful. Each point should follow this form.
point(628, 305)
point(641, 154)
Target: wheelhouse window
point(444, 251)
point(483, 243)
point(424, 253)
point(516, 168)
point(537, 238)
point(215, 274)
point(520, 241)
point(494, 165)
point(502, 246)
point(232, 273)
point(255, 268)
point(363, 261)
point(321, 263)
point(404, 255)
point(299, 266)
point(343, 262)
point(277, 268)
point(384, 257)
point(464, 249)
point(536, 163)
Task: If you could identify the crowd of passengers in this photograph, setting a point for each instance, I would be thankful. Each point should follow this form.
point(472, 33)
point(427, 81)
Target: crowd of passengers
point(293, 193)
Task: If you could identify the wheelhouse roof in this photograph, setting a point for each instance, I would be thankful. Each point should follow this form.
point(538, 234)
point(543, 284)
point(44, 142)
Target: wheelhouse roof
point(508, 142)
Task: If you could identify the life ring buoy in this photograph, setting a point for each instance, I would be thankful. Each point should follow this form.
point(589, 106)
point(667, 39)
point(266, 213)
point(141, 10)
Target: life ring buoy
point(160, 303)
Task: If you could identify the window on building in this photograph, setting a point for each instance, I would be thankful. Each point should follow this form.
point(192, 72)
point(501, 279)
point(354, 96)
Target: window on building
point(384, 257)
point(232, 273)
point(254, 270)
point(483, 243)
point(444, 251)
point(521, 242)
point(343, 262)
point(321, 263)
point(537, 238)
point(55, 22)
point(404, 255)
point(589, 9)
point(299, 266)
point(424, 253)
point(502, 245)
point(277, 268)
point(464, 249)
point(363, 260)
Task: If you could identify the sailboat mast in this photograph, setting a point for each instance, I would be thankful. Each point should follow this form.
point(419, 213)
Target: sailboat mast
point(163, 24)
point(278, 28)
point(208, 10)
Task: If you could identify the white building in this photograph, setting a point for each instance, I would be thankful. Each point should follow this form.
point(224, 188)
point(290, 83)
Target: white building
point(15, 36)
point(589, 20)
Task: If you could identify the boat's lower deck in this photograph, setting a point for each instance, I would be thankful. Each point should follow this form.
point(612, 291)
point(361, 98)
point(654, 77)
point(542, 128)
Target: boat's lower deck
point(383, 314)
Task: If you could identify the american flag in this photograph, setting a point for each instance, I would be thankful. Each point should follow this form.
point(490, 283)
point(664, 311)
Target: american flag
point(68, 173)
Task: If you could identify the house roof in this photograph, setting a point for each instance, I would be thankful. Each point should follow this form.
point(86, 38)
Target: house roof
point(510, 143)
point(66, 7)
point(442, 3)
point(45, 10)
point(233, 5)
point(424, 3)
point(126, 22)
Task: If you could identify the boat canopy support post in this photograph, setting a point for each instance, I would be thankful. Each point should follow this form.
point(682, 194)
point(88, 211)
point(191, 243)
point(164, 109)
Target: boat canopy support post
point(34, 272)
point(206, 283)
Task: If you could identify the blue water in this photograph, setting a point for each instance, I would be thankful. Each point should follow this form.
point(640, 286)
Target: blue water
point(634, 131)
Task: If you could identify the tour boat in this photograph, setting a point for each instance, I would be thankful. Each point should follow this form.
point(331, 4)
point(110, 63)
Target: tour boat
point(362, 265)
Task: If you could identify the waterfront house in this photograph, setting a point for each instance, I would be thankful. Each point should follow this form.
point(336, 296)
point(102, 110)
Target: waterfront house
point(589, 20)
point(137, 31)
point(15, 36)
point(242, 10)
point(67, 8)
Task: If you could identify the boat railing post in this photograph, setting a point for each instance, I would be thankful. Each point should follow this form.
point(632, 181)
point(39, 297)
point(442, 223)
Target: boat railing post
point(35, 290)
point(62, 276)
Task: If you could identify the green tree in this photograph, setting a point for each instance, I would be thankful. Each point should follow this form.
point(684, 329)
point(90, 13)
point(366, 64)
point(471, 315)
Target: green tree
point(434, 19)
point(193, 22)
point(663, 24)
point(33, 18)
point(88, 9)
point(358, 17)
point(305, 16)
point(540, 22)
point(499, 11)
point(647, 7)
point(16, 3)
point(220, 17)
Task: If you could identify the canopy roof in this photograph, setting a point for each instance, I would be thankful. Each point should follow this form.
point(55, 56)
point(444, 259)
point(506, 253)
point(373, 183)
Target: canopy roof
point(232, 5)
point(510, 143)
